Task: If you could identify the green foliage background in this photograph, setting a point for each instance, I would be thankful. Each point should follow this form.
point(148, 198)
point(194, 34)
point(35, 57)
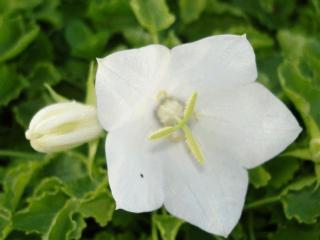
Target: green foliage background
point(66, 196)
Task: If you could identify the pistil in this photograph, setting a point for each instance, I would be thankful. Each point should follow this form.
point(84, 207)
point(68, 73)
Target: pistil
point(171, 115)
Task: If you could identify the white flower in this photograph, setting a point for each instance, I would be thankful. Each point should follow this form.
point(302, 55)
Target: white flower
point(235, 124)
point(63, 126)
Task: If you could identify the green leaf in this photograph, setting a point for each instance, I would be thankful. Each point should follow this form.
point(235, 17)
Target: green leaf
point(16, 180)
point(167, 225)
point(24, 111)
point(154, 15)
point(5, 222)
point(43, 73)
point(71, 169)
point(114, 15)
point(48, 12)
point(296, 232)
point(191, 10)
point(11, 84)
point(15, 35)
point(301, 201)
point(85, 43)
point(41, 212)
point(66, 224)
point(99, 205)
point(282, 170)
point(305, 97)
point(273, 14)
point(259, 177)
point(137, 37)
point(299, 77)
point(14, 5)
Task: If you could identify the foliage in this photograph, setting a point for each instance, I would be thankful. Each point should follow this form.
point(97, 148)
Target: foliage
point(66, 196)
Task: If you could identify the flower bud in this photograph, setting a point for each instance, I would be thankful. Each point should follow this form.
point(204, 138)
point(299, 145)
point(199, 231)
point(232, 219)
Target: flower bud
point(63, 126)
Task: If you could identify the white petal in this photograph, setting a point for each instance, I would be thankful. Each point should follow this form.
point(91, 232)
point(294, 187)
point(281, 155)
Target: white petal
point(220, 61)
point(125, 79)
point(247, 121)
point(209, 196)
point(134, 167)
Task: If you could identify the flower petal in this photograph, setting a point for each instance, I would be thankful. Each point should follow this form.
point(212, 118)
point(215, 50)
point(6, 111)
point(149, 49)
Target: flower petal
point(126, 78)
point(247, 121)
point(215, 62)
point(210, 196)
point(134, 166)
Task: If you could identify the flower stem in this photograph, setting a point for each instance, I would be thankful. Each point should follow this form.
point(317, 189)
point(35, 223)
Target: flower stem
point(154, 233)
point(16, 154)
point(154, 37)
point(92, 150)
point(262, 202)
point(90, 92)
point(250, 226)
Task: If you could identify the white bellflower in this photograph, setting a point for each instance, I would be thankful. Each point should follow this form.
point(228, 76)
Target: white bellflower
point(215, 122)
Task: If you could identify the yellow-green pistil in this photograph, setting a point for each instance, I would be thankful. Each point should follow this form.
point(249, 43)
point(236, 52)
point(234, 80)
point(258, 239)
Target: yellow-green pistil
point(182, 124)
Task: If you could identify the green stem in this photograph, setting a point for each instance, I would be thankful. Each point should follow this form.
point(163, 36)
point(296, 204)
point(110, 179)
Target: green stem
point(90, 94)
point(6, 231)
point(262, 202)
point(154, 37)
point(250, 227)
point(16, 154)
point(93, 146)
point(154, 233)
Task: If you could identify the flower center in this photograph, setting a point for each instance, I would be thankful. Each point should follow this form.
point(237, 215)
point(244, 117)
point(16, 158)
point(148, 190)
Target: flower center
point(169, 111)
point(174, 116)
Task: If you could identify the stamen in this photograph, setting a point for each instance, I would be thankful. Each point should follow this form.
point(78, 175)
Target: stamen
point(181, 124)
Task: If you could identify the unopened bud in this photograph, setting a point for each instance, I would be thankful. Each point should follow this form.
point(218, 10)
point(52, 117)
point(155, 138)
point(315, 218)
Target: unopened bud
point(63, 126)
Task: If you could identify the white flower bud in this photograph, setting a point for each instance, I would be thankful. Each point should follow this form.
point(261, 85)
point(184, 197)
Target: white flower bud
point(63, 126)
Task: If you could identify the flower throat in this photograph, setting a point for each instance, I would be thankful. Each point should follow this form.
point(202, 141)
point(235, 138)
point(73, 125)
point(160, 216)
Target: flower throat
point(175, 116)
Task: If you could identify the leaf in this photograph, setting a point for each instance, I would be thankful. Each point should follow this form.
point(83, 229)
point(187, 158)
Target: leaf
point(191, 10)
point(282, 170)
point(167, 225)
point(272, 14)
point(15, 35)
point(259, 177)
point(137, 36)
point(154, 15)
point(301, 201)
point(43, 73)
point(15, 182)
point(25, 110)
point(72, 171)
point(299, 77)
point(99, 205)
point(296, 232)
point(5, 222)
point(114, 15)
point(41, 212)
point(305, 97)
point(64, 226)
point(85, 43)
point(48, 12)
point(11, 84)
